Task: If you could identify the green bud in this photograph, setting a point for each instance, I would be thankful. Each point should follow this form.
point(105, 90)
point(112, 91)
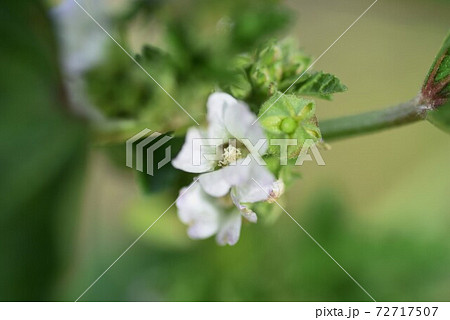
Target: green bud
point(260, 77)
point(241, 87)
point(288, 125)
point(242, 61)
point(292, 117)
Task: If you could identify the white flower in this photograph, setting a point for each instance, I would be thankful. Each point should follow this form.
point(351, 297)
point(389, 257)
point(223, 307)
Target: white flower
point(226, 185)
point(234, 172)
point(207, 216)
point(228, 119)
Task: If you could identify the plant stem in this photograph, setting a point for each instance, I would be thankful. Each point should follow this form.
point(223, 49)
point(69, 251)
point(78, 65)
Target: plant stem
point(372, 121)
point(331, 129)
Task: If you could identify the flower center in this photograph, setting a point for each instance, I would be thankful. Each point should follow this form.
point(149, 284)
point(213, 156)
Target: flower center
point(230, 155)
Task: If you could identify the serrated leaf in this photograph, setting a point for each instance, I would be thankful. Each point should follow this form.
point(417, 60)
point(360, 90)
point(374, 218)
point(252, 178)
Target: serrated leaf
point(277, 66)
point(444, 69)
point(319, 84)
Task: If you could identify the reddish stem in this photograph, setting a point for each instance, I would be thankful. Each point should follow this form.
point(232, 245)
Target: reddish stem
point(431, 90)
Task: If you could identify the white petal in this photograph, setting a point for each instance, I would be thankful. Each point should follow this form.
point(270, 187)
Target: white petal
point(214, 183)
point(277, 191)
point(219, 182)
point(196, 210)
point(239, 122)
point(249, 215)
point(217, 103)
point(252, 191)
point(244, 209)
point(230, 229)
point(185, 159)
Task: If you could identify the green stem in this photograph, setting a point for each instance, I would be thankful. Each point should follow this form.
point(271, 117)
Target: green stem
point(372, 121)
point(332, 129)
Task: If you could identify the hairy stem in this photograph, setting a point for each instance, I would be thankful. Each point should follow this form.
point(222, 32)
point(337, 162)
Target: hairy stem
point(372, 121)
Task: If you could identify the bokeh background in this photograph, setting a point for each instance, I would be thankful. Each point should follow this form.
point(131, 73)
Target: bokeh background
point(380, 206)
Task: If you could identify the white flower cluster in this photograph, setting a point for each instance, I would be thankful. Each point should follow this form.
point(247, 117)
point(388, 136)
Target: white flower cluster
point(216, 203)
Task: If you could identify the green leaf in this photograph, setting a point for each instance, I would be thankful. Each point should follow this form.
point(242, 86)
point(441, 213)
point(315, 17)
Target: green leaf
point(440, 117)
point(43, 151)
point(122, 90)
point(254, 23)
point(318, 84)
point(436, 87)
point(280, 66)
point(274, 64)
point(289, 117)
point(240, 87)
point(444, 67)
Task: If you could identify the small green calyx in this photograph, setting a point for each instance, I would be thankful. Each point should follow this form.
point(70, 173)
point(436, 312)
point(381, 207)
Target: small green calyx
point(288, 125)
point(286, 116)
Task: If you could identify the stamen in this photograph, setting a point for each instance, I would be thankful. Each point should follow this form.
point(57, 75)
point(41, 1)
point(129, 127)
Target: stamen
point(230, 155)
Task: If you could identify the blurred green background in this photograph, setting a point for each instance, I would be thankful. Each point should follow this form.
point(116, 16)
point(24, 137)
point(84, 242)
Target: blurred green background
point(380, 206)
